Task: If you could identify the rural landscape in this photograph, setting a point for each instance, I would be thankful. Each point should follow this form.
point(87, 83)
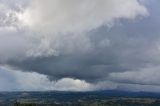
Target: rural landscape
point(99, 98)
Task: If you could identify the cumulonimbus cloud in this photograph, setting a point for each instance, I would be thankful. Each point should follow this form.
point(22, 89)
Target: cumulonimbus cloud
point(57, 21)
point(59, 27)
point(58, 37)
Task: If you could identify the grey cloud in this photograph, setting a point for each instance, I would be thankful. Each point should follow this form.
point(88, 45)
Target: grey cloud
point(123, 53)
point(99, 54)
point(144, 76)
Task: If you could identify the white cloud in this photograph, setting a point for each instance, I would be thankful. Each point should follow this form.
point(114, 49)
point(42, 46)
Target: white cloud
point(58, 27)
point(68, 21)
point(69, 84)
point(61, 16)
point(31, 81)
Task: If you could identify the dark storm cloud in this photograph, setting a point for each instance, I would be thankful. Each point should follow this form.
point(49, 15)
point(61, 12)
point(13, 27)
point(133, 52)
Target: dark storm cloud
point(128, 46)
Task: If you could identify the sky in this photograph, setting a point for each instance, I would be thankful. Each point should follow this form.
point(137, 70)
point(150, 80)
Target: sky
point(79, 45)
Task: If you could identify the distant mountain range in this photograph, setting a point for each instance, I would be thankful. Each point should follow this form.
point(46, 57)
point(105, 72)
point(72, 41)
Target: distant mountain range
point(104, 93)
point(118, 93)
